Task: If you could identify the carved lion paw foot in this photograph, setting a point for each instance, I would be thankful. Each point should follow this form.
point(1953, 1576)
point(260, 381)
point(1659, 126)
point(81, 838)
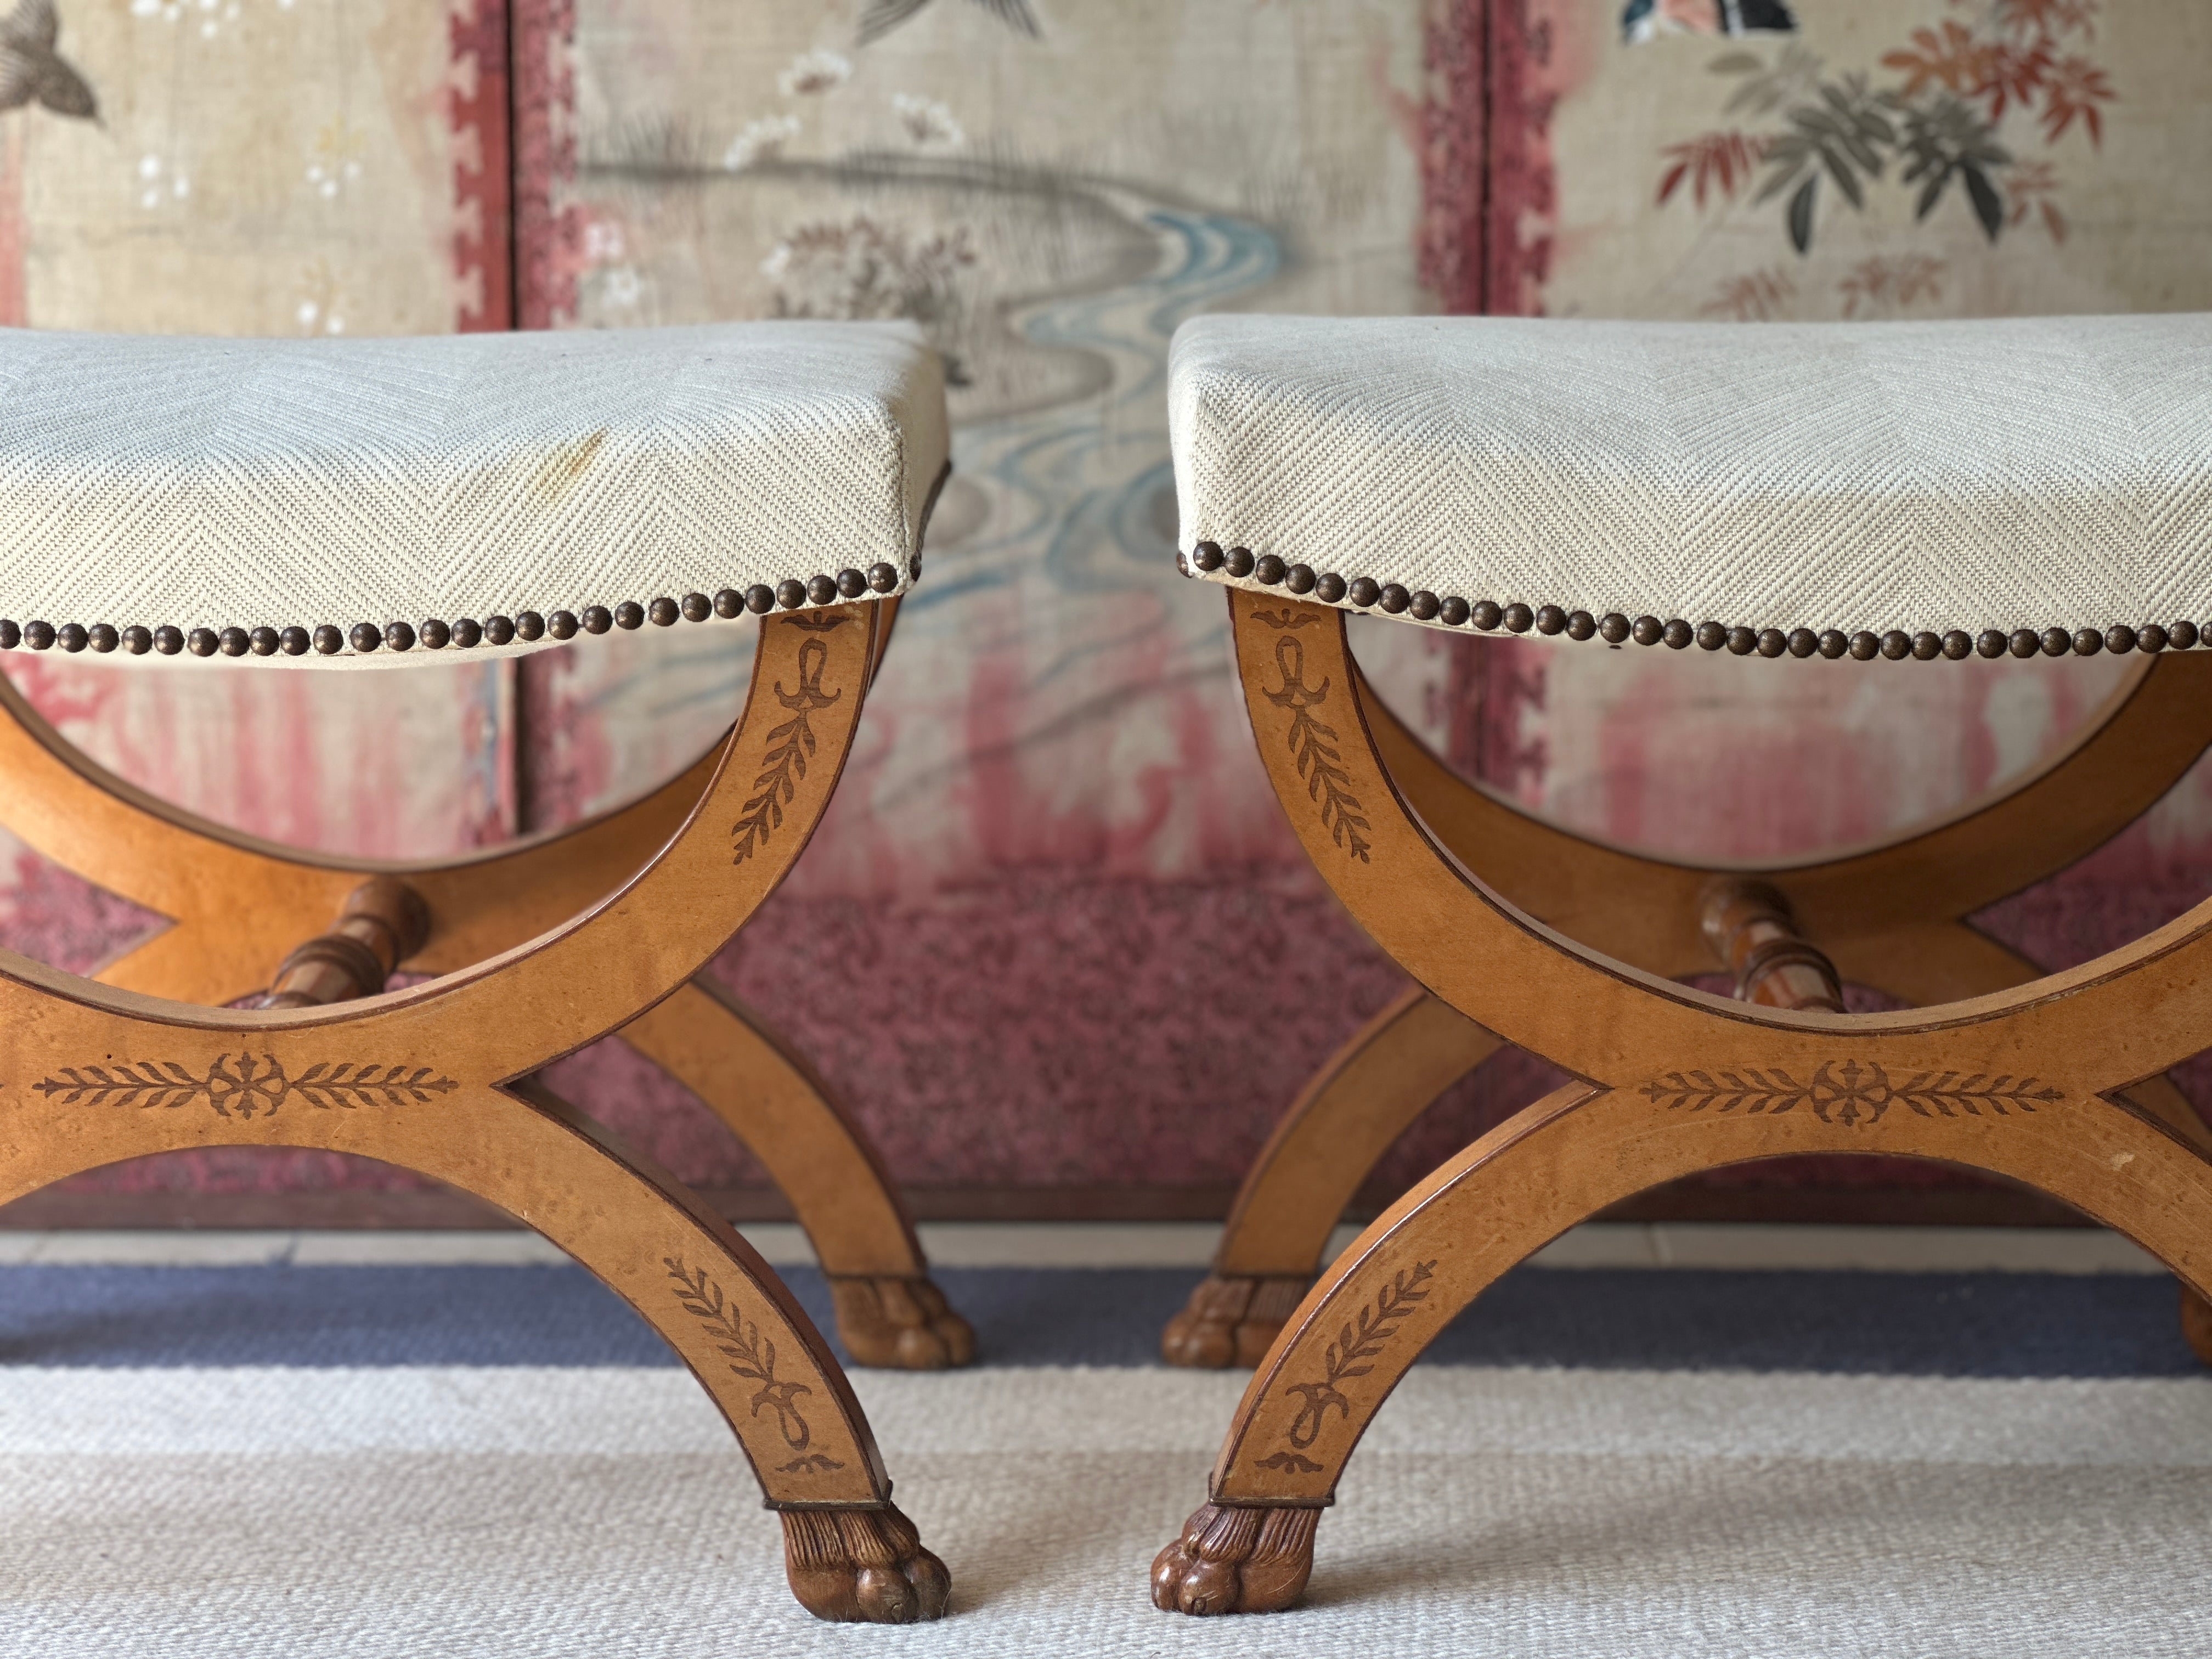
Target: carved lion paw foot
point(862, 1567)
point(1232, 1321)
point(1235, 1560)
point(901, 1324)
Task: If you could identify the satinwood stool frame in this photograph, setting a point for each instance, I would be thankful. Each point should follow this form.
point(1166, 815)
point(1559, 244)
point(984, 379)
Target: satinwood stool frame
point(1892, 916)
point(538, 951)
point(2055, 1081)
point(236, 903)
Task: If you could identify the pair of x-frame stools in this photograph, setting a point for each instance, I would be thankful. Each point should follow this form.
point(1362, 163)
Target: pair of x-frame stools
point(230, 500)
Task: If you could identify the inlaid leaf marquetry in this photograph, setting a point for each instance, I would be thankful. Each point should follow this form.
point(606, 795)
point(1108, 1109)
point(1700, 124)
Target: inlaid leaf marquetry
point(1360, 1340)
point(1850, 1093)
point(750, 1355)
point(1321, 763)
point(243, 1085)
point(790, 747)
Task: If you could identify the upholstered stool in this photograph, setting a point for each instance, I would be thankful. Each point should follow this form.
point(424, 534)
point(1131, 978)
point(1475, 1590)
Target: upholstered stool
point(1902, 496)
point(384, 504)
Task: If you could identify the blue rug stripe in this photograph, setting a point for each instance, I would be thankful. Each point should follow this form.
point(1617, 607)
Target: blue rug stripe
point(1761, 1321)
point(2003, 1325)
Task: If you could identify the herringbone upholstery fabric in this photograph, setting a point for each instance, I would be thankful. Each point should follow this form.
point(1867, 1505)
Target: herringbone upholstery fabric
point(212, 483)
point(2028, 473)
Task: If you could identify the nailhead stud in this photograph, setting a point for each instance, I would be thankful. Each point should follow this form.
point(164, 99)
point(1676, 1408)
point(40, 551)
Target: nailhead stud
point(1990, 643)
point(1772, 642)
point(729, 602)
point(2055, 642)
point(500, 630)
point(791, 592)
point(1803, 642)
point(1550, 619)
point(1394, 598)
point(39, 636)
point(292, 641)
point(530, 627)
point(883, 578)
point(851, 584)
point(202, 641)
point(1958, 646)
point(71, 637)
point(234, 642)
point(697, 607)
point(1364, 591)
point(2151, 638)
point(168, 639)
point(1741, 642)
point(1452, 611)
point(1581, 624)
point(1206, 556)
point(1425, 605)
point(1238, 561)
point(466, 633)
point(2119, 639)
point(2182, 635)
point(561, 625)
point(2088, 641)
point(759, 598)
point(264, 642)
point(2023, 642)
point(1865, 647)
point(598, 619)
point(1613, 628)
point(1896, 644)
point(102, 636)
point(1299, 579)
point(663, 612)
point(400, 636)
point(1927, 647)
point(434, 634)
point(1710, 636)
point(1487, 614)
point(138, 639)
point(1647, 630)
point(1519, 618)
point(1677, 634)
point(822, 590)
point(1330, 589)
point(1269, 571)
point(1834, 644)
point(10, 635)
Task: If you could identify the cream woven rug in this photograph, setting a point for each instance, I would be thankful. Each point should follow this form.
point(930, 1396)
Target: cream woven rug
point(601, 1511)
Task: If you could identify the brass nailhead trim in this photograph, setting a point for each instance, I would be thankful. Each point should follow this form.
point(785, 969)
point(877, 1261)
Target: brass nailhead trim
point(1365, 594)
point(464, 632)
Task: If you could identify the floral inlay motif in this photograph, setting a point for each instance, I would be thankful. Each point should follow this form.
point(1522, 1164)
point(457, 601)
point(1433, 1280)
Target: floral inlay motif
point(790, 746)
point(1321, 763)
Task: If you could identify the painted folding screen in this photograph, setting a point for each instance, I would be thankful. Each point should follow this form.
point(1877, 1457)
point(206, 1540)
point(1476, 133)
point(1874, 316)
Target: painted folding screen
point(1054, 932)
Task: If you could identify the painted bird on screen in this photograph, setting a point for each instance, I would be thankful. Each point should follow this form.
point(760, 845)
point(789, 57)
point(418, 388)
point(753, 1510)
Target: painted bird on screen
point(882, 16)
point(31, 71)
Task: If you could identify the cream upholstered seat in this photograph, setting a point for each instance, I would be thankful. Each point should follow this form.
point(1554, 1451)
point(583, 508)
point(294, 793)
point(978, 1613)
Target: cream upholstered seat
point(319, 498)
point(1910, 489)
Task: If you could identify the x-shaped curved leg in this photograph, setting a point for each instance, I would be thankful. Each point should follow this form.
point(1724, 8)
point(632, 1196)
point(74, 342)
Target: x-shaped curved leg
point(441, 1078)
point(2032, 1083)
point(1899, 911)
point(237, 904)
